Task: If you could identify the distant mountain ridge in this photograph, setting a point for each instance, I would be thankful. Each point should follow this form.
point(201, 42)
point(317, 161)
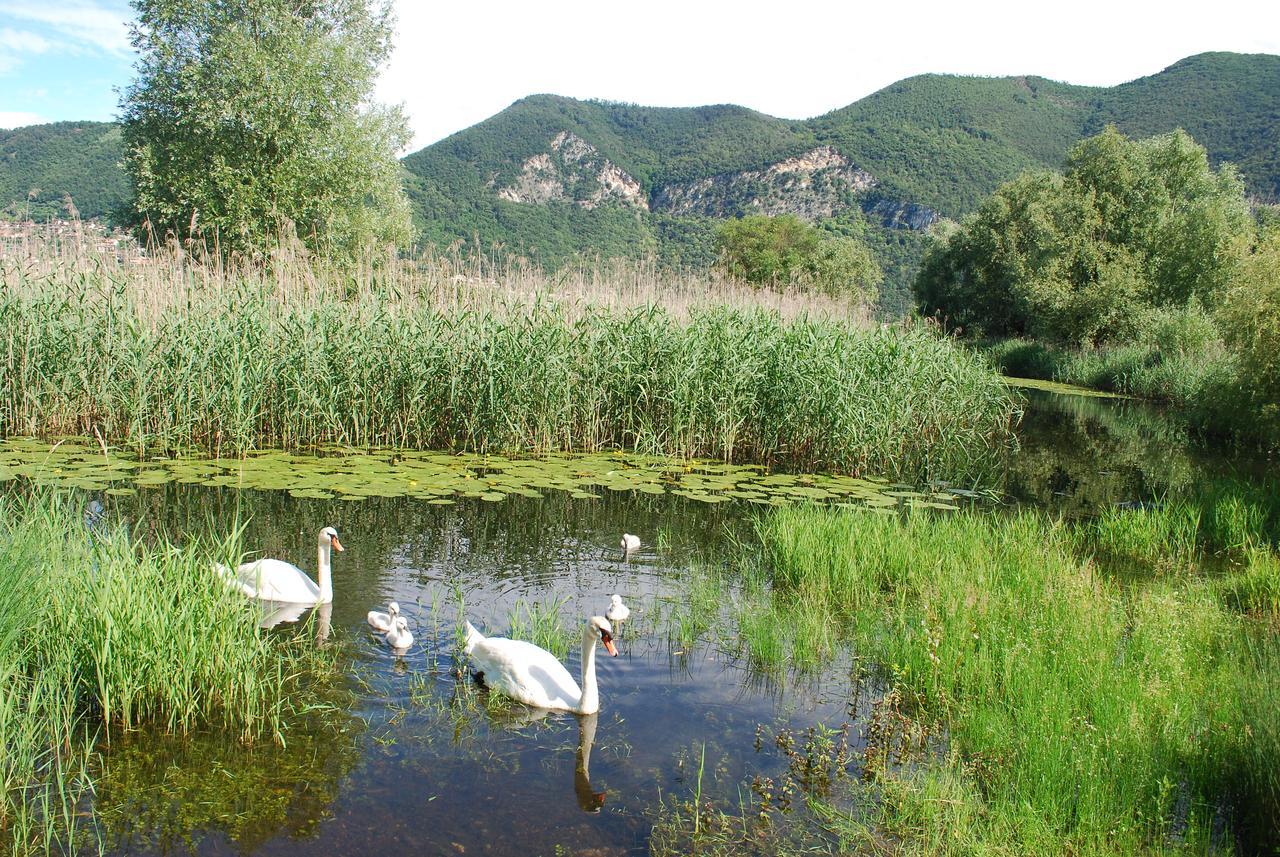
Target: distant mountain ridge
point(554, 177)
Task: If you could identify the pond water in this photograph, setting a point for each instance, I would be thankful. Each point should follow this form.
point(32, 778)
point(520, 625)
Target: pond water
point(416, 756)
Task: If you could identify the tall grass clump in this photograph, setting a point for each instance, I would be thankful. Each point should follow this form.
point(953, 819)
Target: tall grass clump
point(242, 363)
point(101, 634)
point(1079, 714)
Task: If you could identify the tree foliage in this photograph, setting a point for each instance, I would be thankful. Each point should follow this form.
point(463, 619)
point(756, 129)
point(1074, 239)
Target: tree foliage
point(1082, 256)
point(785, 250)
point(249, 117)
point(1250, 320)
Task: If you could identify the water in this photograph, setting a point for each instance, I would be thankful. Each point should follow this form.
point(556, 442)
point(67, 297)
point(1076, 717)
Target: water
point(416, 756)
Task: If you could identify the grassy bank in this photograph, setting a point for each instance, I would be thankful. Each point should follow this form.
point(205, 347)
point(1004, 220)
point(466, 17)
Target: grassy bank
point(1066, 710)
point(229, 364)
point(1203, 382)
point(100, 635)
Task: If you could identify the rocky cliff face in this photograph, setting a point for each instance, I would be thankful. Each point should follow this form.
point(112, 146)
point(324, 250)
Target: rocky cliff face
point(896, 214)
point(573, 170)
point(820, 183)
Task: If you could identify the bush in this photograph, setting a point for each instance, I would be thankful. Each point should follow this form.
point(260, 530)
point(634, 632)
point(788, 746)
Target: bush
point(784, 250)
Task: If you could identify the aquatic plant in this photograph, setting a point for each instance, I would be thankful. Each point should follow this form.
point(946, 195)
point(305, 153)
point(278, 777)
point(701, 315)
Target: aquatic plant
point(539, 622)
point(239, 366)
point(1080, 714)
point(103, 635)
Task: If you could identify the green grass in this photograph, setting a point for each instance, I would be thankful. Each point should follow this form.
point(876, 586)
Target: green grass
point(172, 365)
point(101, 635)
point(1079, 714)
point(539, 622)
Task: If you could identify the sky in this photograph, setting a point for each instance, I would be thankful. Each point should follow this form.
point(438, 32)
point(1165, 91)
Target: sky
point(458, 63)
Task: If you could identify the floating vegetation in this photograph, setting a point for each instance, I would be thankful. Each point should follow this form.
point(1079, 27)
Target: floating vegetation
point(1064, 389)
point(442, 478)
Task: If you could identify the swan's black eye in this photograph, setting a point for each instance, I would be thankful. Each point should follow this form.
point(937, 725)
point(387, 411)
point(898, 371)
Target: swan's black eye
point(605, 635)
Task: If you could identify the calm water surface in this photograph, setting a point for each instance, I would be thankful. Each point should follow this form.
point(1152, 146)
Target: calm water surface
point(416, 761)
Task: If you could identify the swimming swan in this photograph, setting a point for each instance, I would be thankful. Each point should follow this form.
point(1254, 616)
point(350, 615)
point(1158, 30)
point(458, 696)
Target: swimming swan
point(399, 637)
point(617, 612)
point(277, 580)
point(630, 542)
point(383, 621)
point(534, 676)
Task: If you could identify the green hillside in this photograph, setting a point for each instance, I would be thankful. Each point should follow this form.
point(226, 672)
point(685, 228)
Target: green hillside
point(1230, 104)
point(947, 142)
point(77, 158)
point(933, 143)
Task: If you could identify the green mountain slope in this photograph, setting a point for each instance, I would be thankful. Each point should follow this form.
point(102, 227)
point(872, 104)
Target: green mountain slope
point(554, 177)
point(1230, 103)
point(76, 158)
point(947, 142)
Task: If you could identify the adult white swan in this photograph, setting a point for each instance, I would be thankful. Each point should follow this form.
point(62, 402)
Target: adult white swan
point(534, 676)
point(277, 580)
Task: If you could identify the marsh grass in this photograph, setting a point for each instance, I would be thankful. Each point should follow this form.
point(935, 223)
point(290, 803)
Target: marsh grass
point(101, 635)
point(1228, 518)
point(1081, 714)
point(540, 623)
point(172, 357)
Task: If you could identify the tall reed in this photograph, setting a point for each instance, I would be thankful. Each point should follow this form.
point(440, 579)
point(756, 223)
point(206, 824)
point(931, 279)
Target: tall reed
point(100, 634)
point(239, 365)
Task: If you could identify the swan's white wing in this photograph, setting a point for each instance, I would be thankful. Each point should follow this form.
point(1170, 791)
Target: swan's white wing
point(380, 621)
point(234, 582)
point(526, 673)
point(277, 580)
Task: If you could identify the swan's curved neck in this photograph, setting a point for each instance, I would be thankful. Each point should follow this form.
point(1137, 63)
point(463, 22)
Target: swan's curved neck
point(325, 579)
point(590, 701)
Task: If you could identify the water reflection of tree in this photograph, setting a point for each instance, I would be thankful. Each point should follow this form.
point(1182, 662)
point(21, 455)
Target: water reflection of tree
point(167, 792)
point(1079, 453)
point(518, 539)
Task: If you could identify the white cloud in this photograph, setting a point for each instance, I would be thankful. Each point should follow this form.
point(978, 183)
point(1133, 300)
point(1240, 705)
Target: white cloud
point(16, 119)
point(15, 44)
point(22, 41)
point(82, 22)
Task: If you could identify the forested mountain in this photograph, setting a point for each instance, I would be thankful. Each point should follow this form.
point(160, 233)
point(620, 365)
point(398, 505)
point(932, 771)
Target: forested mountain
point(40, 165)
point(555, 177)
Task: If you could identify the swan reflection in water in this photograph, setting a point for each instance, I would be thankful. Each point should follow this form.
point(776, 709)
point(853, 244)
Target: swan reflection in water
point(275, 613)
point(518, 717)
point(588, 801)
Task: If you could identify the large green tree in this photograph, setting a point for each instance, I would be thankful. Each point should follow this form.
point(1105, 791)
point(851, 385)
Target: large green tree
point(249, 119)
point(785, 250)
point(1083, 255)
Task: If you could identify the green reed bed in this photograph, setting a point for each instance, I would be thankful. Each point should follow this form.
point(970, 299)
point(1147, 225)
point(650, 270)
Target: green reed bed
point(100, 635)
point(231, 369)
point(1079, 714)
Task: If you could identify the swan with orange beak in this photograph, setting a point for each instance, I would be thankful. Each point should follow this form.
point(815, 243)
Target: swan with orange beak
point(532, 675)
point(277, 580)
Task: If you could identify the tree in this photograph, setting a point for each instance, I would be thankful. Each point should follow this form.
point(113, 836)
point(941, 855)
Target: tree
point(764, 250)
point(251, 118)
point(785, 250)
point(1083, 256)
point(1250, 321)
